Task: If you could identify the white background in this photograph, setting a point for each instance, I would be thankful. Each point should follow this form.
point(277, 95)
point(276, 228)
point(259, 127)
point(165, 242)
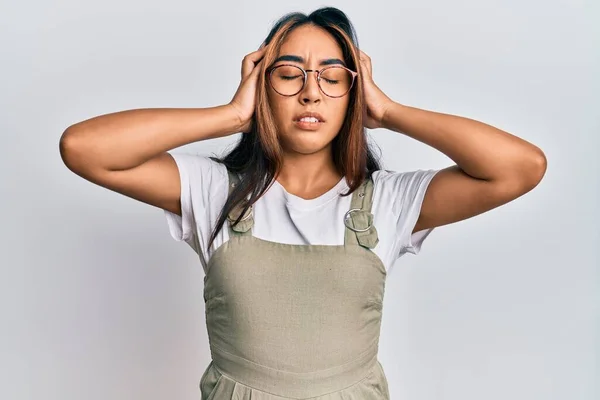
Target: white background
point(98, 302)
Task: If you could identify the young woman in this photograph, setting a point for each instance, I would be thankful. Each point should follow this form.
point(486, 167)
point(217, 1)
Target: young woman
point(298, 226)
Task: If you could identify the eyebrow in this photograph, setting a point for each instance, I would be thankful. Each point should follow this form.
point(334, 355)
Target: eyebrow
point(328, 61)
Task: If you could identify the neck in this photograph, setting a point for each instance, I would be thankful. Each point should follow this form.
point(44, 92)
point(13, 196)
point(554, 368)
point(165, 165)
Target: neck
point(308, 175)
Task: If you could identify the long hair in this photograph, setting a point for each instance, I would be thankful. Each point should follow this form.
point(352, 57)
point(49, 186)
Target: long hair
point(258, 156)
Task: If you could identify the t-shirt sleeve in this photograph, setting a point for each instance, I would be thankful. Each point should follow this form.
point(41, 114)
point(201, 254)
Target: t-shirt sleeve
point(404, 193)
point(182, 227)
point(202, 183)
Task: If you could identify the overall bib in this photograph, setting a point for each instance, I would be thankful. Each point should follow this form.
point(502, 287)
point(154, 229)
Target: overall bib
point(289, 321)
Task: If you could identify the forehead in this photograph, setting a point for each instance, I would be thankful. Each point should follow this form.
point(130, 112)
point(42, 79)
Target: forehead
point(310, 41)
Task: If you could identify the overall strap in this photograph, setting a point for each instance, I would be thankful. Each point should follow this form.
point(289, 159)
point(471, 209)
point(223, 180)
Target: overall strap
point(244, 226)
point(359, 220)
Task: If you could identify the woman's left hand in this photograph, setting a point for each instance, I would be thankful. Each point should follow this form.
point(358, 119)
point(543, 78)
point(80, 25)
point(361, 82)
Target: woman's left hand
point(376, 101)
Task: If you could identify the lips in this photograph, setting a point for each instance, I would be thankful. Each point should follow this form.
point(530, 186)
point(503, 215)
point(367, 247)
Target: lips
point(308, 126)
point(310, 114)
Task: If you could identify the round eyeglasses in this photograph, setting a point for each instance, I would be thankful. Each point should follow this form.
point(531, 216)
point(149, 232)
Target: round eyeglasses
point(289, 80)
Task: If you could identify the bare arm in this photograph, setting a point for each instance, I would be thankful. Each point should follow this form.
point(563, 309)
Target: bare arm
point(493, 167)
point(126, 151)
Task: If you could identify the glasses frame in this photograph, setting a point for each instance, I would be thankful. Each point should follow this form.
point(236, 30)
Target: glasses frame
point(270, 70)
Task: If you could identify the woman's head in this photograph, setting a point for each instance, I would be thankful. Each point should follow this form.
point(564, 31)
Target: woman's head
point(312, 48)
point(326, 35)
point(324, 38)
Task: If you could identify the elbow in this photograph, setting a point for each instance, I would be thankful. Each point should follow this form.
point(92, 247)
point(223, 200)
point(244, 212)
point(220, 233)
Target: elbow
point(70, 151)
point(540, 164)
point(535, 169)
point(65, 147)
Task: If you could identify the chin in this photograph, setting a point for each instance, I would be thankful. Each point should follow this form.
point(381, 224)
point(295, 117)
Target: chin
point(305, 141)
point(305, 145)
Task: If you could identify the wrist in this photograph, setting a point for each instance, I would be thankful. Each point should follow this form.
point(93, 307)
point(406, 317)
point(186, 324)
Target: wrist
point(235, 117)
point(388, 111)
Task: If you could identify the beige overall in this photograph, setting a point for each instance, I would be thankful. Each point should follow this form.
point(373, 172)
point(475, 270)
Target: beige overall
point(290, 321)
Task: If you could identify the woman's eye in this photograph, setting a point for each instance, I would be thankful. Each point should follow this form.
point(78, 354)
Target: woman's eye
point(333, 82)
point(289, 78)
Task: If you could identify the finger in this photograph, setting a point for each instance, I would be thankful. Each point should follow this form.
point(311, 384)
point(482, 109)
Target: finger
point(257, 68)
point(251, 60)
point(365, 58)
point(366, 63)
point(252, 75)
point(249, 64)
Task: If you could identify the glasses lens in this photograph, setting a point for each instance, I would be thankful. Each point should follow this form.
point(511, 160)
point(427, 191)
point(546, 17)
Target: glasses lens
point(336, 81)
point(288, 80)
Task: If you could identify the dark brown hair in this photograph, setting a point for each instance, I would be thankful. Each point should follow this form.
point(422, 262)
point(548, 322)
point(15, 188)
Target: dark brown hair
point(258, 156)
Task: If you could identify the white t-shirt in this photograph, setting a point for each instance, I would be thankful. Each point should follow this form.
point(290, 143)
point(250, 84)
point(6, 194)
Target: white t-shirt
point(282, 217)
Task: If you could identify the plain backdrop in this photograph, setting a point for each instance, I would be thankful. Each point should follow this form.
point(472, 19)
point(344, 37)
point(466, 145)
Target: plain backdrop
point(98, 302)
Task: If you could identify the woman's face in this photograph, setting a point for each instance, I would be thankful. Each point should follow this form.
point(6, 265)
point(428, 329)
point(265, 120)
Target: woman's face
point(310, 45)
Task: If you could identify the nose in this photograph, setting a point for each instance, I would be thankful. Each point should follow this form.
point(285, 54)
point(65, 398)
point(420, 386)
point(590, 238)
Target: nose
point(311, 90)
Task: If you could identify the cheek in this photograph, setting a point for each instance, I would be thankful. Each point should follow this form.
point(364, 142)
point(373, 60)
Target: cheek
point(340, 111)
point(282, 110)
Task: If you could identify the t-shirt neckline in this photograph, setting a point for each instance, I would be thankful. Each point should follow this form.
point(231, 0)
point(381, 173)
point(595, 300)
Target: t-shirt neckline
point(306, 204)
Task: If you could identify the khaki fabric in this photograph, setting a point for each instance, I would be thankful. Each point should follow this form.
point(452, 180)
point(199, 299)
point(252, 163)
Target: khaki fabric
point(292, 321)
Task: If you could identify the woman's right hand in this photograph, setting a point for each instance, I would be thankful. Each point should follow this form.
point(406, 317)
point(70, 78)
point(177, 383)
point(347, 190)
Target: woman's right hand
point(244, 100)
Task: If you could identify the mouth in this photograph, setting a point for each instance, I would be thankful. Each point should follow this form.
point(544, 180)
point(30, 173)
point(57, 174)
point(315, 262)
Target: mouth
point(308, 124)
point(309, 120)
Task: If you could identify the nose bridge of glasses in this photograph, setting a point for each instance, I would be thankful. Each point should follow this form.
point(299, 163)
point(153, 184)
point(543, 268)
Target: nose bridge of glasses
point(316, 71)
point(305, 83)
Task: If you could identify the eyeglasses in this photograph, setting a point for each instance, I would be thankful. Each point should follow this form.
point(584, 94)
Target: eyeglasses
point(289, 80)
